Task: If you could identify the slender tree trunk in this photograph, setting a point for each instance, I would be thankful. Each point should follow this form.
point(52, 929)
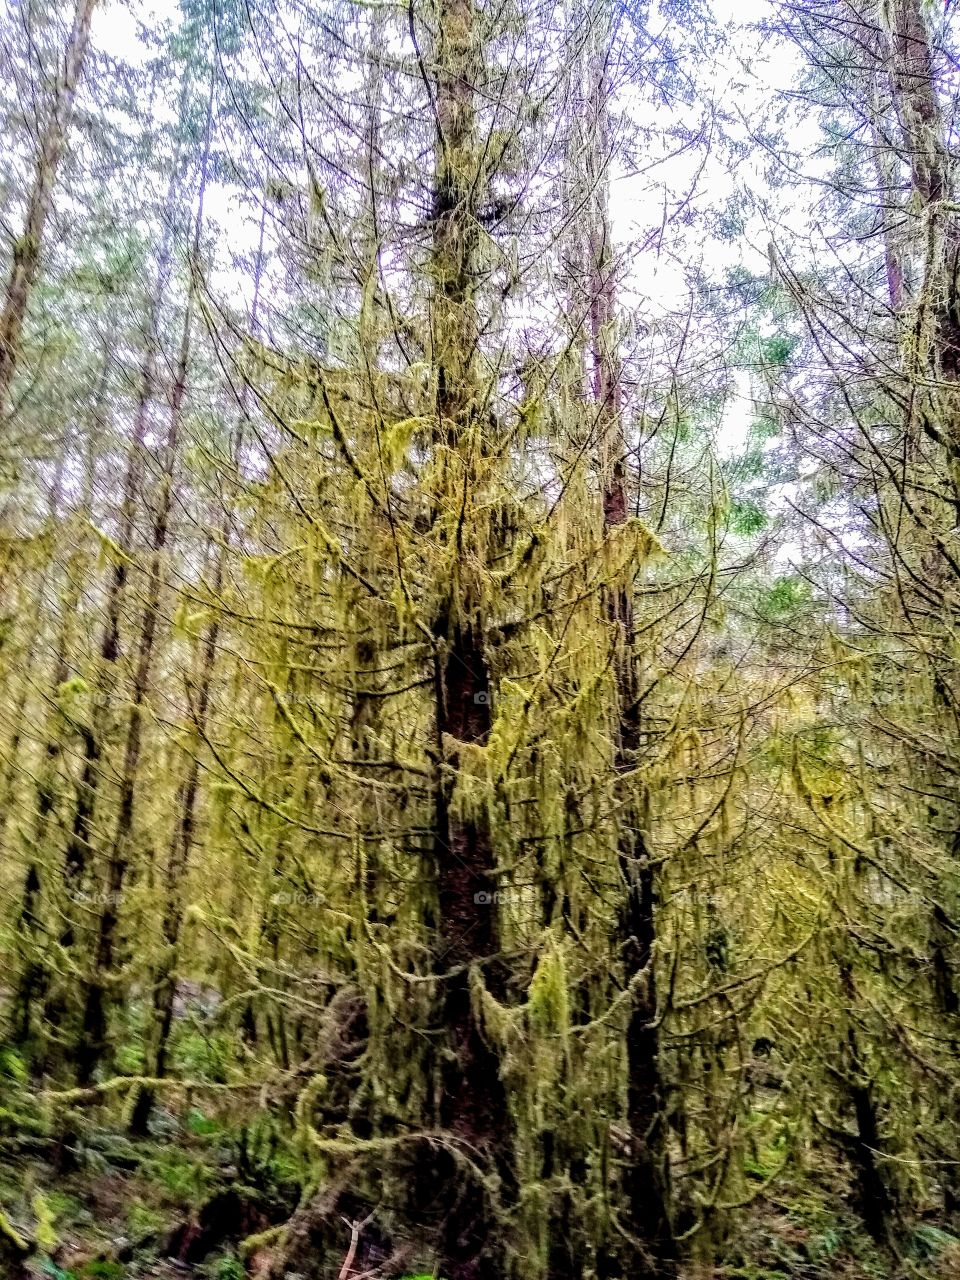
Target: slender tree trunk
point(883, 163)
point(94, 734)
point(13, 767)
point(33, 980)
point(178, 862)
point(27, 249)
point(181, 847)
point(92, 1043)
point(652, 1252)
point(924, 140)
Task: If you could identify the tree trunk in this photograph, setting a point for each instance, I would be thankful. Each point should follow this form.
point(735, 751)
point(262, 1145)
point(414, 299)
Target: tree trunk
point(181, 846)
point(93, 1032)
point(94, 734)
point(471, 1105)
point(27, 249)
point(651, 1252)
point(34, 978)
point(924, 140)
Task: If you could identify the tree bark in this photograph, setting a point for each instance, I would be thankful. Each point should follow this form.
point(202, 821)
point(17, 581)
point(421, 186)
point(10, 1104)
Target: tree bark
point(472, 1103)
point(34, 978)
point(923, 130)
point(181, 846)
point(92, 1043)
point(27, 249)
point(651, 1251)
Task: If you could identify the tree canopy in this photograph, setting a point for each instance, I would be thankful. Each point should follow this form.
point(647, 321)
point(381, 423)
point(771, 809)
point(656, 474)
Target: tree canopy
point(480, 640)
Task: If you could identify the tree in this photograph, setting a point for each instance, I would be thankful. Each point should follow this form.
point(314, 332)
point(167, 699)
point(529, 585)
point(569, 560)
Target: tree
point(56, 117)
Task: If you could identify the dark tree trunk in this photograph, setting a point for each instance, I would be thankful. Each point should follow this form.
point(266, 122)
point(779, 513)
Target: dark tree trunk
point(94, 735)
point(472, 1104)
point(92, 1043)
point(875, 1198)
point(647, 1210)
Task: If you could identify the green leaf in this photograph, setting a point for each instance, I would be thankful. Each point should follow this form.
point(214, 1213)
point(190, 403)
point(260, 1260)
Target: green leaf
point(46, 1229)
point(12, 1065)
point(747, 518)
point(777, 351)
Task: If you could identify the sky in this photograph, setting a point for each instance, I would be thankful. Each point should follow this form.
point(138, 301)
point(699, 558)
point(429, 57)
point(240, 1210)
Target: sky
point(655, 278)
point(636, 204)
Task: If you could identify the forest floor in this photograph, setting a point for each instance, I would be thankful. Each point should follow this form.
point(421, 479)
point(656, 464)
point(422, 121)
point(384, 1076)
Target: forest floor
point(204, 1198)
point(175, 1208)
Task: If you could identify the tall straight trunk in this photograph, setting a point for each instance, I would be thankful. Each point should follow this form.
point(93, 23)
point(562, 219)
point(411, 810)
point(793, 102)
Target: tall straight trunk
point(365, 709)
point(884, 168)
point(471, 1104)
point(652, 1252)
point(925, 140)
point(178, 861)
point(184, 835)
point(92, 1043)
point(78, 847)
point(925, 144)
point(27, 248)
point(32, 982)
point(94, 734)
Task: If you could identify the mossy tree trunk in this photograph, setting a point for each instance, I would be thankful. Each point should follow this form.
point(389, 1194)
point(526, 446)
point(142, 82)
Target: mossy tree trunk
point(92, 1043)
point(651, 1251)
point(471, 1104)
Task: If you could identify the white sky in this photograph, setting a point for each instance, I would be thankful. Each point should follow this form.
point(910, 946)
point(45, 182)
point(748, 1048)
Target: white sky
point(655, 280)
